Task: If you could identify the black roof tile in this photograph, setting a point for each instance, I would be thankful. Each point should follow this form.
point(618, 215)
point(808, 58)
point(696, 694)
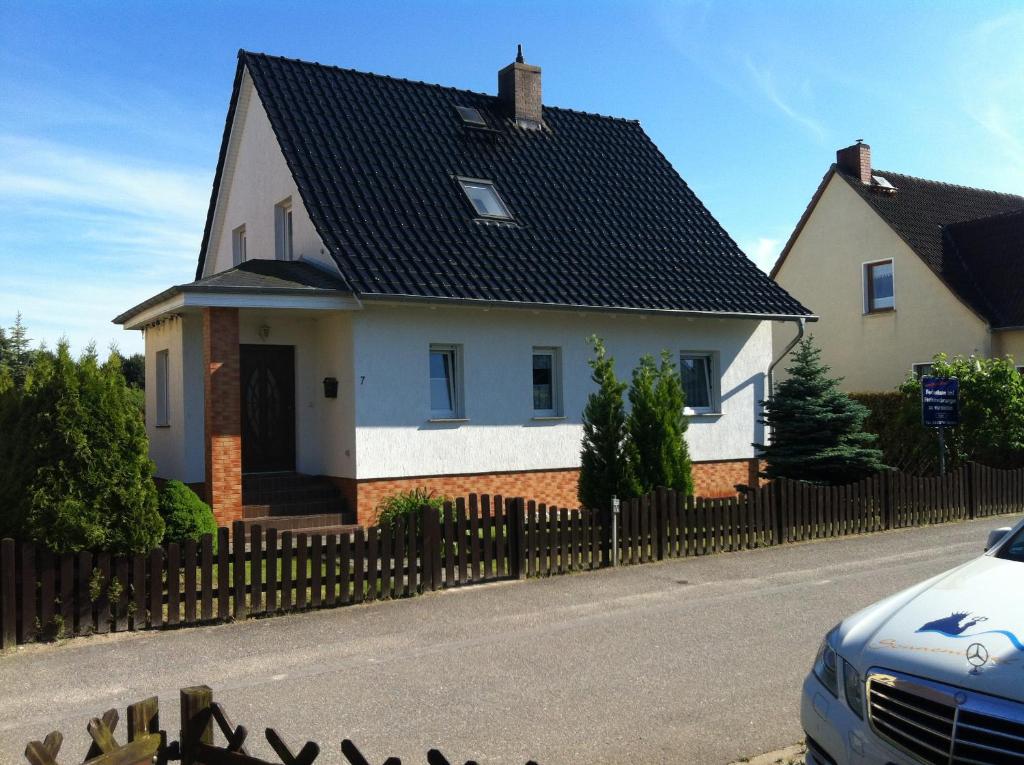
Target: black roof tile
point(991, 251)
point(601, 217)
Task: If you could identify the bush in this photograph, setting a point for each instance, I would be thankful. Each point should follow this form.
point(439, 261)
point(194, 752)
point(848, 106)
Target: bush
point(991, 429)
point(657, 427)
point(896, 419)
point(606, 469)
point(75, 472)
point(406, 505)
point(185, 515)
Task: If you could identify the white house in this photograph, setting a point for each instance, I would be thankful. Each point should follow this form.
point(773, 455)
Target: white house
point(396, 286)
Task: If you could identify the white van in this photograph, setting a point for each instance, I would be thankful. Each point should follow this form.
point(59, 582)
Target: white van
point(934, 674)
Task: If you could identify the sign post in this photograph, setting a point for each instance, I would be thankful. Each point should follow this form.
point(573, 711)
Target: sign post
point(940, 408)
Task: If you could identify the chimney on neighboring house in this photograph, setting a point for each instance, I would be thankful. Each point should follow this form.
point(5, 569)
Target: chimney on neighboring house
point(519, 92)
point(856, 160)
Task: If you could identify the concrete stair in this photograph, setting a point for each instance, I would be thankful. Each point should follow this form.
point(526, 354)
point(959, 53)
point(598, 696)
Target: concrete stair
point(294, 502)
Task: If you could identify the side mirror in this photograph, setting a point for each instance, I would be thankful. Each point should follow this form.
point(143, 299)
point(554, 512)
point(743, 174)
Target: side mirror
point(995, 536)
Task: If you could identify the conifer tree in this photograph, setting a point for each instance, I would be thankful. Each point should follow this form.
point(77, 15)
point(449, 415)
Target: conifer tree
point(816, 430)
point(18, 350)
point(605, 466)
point(74, 470)
point(657, 427)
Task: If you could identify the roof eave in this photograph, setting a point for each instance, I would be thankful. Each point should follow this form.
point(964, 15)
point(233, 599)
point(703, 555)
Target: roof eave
point(481, 303)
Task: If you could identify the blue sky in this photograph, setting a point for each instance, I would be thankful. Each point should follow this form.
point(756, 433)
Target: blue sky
point(112, 114)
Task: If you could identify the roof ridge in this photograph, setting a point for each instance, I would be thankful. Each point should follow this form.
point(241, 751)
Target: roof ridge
point(243, 53)
point(877, 171)
point(984, 219)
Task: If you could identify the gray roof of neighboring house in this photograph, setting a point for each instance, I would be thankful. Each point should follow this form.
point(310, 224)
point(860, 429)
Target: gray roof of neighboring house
point(966, 236)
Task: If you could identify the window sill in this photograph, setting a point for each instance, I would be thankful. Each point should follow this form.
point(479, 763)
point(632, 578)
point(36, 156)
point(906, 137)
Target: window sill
point(448, 419)
point(702, 413)
point(879, 311)
point(548, 417)
point(163, 427)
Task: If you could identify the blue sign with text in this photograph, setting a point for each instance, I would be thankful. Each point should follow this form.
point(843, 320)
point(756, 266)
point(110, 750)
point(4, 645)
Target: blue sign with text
point(940, 402)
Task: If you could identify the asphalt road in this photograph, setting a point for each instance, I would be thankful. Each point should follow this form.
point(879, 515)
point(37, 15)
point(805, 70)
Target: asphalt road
point(687, 661)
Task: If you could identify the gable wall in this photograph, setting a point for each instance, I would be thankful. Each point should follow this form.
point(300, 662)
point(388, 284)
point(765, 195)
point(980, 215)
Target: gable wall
point(824, 271)
point(256, 177)
point(391, 354)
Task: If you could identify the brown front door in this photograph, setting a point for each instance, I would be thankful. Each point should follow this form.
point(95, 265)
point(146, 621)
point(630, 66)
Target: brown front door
point(268, 408)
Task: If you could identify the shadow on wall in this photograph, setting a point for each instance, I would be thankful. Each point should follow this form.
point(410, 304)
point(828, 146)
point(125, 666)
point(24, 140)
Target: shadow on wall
point(759, 384)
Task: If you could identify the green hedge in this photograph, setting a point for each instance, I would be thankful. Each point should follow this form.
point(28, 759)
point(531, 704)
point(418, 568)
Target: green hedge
point(896, 419)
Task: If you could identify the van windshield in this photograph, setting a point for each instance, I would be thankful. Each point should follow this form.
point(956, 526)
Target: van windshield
point(1014, 549)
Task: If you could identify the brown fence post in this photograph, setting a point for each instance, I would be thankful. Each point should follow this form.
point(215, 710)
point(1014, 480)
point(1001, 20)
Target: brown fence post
point(972, 498)
point(661, 526)
point(238, 569)
point(887, 500)
point(777, 506)
point(8, 590)
point(516, 537)
point(196, 722)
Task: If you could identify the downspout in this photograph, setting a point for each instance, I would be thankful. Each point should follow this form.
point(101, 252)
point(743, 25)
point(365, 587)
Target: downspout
point(801, 325)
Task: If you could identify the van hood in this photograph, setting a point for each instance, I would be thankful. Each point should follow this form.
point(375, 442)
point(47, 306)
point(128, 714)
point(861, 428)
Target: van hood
point(964, 627)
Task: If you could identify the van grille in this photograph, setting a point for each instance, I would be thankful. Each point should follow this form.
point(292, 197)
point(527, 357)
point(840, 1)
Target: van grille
point(923, 719)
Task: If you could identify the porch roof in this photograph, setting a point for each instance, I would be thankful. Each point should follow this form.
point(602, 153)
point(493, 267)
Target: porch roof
point(253, 284)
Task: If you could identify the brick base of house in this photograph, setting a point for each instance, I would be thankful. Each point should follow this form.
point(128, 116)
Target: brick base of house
point(553, 487)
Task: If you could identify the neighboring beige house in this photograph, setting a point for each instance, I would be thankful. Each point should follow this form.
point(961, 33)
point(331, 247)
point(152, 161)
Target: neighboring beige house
point(900, 268)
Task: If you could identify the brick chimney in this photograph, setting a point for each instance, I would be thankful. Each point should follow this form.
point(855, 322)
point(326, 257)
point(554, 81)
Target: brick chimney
point(519, 92)
point(856, 161)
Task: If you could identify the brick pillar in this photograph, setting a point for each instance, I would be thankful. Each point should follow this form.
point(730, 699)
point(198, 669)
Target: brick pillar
point(223, 414)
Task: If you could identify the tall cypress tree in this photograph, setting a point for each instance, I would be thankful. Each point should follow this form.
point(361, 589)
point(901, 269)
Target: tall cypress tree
point(605, 468)
point(657, 427)
point(816, 430)
point(18, 350)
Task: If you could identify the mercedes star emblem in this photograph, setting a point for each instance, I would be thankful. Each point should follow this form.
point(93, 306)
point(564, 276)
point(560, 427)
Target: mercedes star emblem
point(977, 655)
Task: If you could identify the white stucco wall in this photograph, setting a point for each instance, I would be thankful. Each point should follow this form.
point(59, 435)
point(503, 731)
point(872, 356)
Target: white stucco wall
point(255, 179)
point(824, 271)
point(391, 351)
point(177, 449)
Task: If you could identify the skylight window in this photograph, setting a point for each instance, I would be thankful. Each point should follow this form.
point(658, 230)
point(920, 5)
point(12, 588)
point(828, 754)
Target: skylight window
point(484, 198)
point(471, 116)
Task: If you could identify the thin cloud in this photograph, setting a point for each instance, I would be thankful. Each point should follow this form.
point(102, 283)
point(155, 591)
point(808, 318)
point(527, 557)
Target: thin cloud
point(763, 251)
point(765, 82)
point(84, 235)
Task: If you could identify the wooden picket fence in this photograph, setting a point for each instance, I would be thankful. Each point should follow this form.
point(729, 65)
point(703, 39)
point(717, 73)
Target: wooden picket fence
point(475, 539)
point(208, 737)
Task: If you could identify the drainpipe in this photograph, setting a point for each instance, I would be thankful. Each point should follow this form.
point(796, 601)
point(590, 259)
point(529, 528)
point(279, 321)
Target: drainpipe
point(801, 325)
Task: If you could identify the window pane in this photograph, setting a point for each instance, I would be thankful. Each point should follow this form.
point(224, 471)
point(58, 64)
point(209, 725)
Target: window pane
point(882, 286)
point(696, 375)
point(441, 377)
point(485, 199)
point(543, 382)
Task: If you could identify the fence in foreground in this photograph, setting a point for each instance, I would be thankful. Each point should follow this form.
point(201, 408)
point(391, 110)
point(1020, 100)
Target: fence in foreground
point(202, 719)
point(475, 539)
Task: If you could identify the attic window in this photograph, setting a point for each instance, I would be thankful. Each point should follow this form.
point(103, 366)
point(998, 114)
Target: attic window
point(471, 116)
point(484, 198)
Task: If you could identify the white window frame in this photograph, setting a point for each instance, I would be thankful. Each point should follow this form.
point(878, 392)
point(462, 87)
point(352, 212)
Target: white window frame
point(457, 412)
point(162, 388)
point(238, 246)
point(463, 182)
point(284, 232)
point(556, 382)
point(714, 384)
point(866, 285)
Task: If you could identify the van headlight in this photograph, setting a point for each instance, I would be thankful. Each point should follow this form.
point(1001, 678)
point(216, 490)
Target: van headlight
point(826, 664)
point(853, 686)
